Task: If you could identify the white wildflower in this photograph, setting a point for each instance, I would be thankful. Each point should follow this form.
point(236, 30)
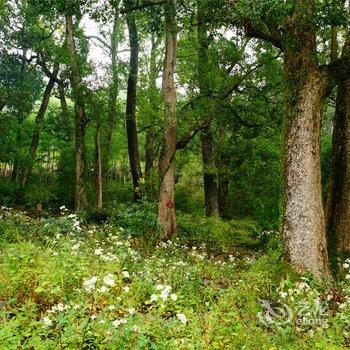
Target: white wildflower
point(98, 251)
point(103, 289)
point(283, 294)
point(108, 280)
point(165, 293)
point(47, 321)
point(117, 323)
point(153, 297)
point(125, 274)
point(132, 311)
point(182, 318)
point(89, 284)
point(173, 297)
point(76, 246)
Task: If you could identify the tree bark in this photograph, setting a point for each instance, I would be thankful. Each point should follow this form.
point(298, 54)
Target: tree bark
point(338, 200)
point(131, 128)
point(303, 221)
point(80, 119)
point(166, 205)
point(98, 169)
point(209, 166)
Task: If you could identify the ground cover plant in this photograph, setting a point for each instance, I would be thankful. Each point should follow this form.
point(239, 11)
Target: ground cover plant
point(71, 285)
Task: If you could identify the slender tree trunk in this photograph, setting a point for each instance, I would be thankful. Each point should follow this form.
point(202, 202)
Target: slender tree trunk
point(112, 99)
point(80, 120)
point(223, 187)
point(303, 217)
point(37, 128)
point(166, 205)
point(98, 169)
point(19, 138)
point(338, 200)
point(131, 129)
point(209, 167)
point(152, 93)
point(65, 111)
point(17, 166)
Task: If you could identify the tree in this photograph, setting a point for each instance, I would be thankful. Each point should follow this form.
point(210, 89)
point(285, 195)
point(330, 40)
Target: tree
point(166, 206)
point(292, 29)
point(338, 200)
point(38, 123)
point(209, 166)
point(80, 117)
point(131, 128)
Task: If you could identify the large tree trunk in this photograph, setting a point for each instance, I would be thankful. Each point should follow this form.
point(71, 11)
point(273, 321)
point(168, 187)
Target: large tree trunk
point(37, 128)
point(303, 217)
point(131, 128)
point(166, 205)
point(80, 120)
point(338, 200)
point(209, 166)
point(98, 169)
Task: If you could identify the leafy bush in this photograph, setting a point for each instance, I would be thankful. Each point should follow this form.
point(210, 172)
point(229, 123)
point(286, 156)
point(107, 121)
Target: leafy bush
point(220, 233)
point(137, 219)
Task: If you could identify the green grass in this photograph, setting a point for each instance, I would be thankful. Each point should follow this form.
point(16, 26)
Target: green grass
point(44, 304)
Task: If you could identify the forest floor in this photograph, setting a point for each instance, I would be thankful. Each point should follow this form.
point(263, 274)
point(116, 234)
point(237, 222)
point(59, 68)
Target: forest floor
point(66, 284)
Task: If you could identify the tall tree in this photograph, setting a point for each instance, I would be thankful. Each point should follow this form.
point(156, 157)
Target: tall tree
point(98, 169)
point(338, 200)
point(306, 86)
point(80, 117)
point(113, 93)
point(38, 124)
point(150, 152)
point(209, 166)
point(131, 128)
point(166, 205)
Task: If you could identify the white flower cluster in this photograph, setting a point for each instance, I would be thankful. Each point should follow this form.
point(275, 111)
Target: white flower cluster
point(164, 291)
point(90, 284)
point(182, 318)
point(108, 256)
point(58, 308)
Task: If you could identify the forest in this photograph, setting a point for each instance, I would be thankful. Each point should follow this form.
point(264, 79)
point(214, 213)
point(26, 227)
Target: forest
point(175, 174)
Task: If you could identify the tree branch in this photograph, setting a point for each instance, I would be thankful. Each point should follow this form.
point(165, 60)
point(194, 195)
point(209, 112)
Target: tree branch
point(268, 34)
point(182, 143)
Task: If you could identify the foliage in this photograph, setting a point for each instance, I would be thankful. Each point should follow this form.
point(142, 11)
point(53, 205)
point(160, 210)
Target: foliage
point(122, 294)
